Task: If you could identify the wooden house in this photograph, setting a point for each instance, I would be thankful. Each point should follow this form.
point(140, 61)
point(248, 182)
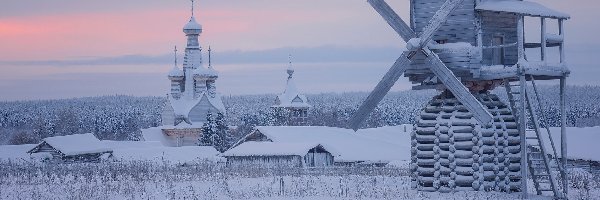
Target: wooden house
point(377, 146)
point(278, 154)
point(71, 148)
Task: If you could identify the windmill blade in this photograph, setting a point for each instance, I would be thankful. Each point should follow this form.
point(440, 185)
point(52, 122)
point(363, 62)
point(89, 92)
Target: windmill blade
point(393, 19)
point(437, 20)
point(382, 88)
point(461, 92)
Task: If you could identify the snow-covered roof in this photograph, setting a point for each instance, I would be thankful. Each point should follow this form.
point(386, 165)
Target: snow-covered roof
point(176, 72)
point(192, 25)
point(183, 106)
point(76, 144)
point(174, 155)
point(182, 125)
point(369, 145)
point(155, 134)
point(291, 97)
point(252, 148)
point(521, 7)
point(206, 71)
point(15, 152)
point(112, 144)
point(217, 103)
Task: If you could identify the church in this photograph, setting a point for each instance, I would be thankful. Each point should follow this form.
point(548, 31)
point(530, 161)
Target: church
point(193, 94)
point(291, 103)
point(193, 90)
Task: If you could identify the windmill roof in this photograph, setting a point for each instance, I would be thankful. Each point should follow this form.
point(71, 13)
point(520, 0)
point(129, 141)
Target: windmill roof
point(521, 7)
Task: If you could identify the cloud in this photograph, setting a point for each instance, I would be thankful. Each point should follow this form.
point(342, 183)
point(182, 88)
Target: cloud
point(323, 54)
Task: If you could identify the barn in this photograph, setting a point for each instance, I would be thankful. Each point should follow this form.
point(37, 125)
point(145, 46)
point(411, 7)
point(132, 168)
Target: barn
point(71, 148)
point(278, 154)
point(377, 146)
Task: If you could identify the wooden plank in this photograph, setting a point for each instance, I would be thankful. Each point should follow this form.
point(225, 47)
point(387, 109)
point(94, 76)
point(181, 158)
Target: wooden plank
point(521, 39)
point(382, 88)
point(437, 20)
point(393, 19)
point(522, 127)
point(461, 92)
point(563, 132)
point(543, 39)
point(561, 31)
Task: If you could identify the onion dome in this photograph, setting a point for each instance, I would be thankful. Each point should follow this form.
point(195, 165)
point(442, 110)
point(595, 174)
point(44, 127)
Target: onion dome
point(192, 27)
point(176, 73)
point(208, 73)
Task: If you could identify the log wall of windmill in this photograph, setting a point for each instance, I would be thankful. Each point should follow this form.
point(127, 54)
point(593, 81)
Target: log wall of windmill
point(503, 25)
point(459, 27)
point(451, 151)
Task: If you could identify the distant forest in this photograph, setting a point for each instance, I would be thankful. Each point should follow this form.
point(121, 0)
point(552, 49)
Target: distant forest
point(122, 117)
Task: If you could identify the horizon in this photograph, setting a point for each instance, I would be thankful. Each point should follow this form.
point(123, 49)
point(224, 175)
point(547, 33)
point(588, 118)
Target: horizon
point(113, 48)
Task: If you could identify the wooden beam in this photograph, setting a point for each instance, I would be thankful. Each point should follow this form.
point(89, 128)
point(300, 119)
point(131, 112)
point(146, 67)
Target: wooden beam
point(561, 32)
point(382, 88)
point(563, 132)
point(538, 45)
point(459, 90)
point(522, 133)
point(393, 19)
point(520, 39)
point(543, 38)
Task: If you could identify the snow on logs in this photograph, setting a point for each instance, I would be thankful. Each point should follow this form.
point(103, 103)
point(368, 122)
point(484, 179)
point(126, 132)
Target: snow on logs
point(451, 151)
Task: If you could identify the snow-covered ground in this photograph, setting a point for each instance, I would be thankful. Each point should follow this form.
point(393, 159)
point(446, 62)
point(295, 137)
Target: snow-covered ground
point(139, 170)
point(139, 180)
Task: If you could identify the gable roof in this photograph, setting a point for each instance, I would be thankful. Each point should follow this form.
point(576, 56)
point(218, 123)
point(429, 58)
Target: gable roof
point(76, 144)
point(521, 7)
point(183, 106)
point(252, 148)
point(369, 145)
point(291, 97)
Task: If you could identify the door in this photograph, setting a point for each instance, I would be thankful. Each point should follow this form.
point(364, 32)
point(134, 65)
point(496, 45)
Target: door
point(498, 53)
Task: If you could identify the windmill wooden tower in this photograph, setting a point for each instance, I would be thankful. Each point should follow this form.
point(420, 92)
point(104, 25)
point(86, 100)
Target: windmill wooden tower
point(466, 138)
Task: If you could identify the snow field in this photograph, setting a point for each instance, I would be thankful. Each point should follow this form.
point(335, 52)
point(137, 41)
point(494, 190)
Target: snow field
point(144, 180)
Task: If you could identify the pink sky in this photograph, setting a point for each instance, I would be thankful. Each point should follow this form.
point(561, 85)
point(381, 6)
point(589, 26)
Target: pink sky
point(67, 30)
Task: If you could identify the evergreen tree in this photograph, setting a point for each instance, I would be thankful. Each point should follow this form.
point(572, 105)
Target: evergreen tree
point(214, 132)
point(223, 133)
point(208, 130)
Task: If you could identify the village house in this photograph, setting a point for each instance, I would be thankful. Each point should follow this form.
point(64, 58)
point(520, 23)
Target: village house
point(278, 154)
point(71, 148)
point(377, 146)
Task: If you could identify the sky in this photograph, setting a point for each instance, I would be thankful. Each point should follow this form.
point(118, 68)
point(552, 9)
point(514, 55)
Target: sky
point(64, 48)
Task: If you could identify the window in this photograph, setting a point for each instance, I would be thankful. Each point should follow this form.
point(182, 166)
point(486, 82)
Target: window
point(444, 41)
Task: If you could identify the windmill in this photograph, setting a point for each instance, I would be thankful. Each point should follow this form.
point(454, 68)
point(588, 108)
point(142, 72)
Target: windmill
point(466, 138)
